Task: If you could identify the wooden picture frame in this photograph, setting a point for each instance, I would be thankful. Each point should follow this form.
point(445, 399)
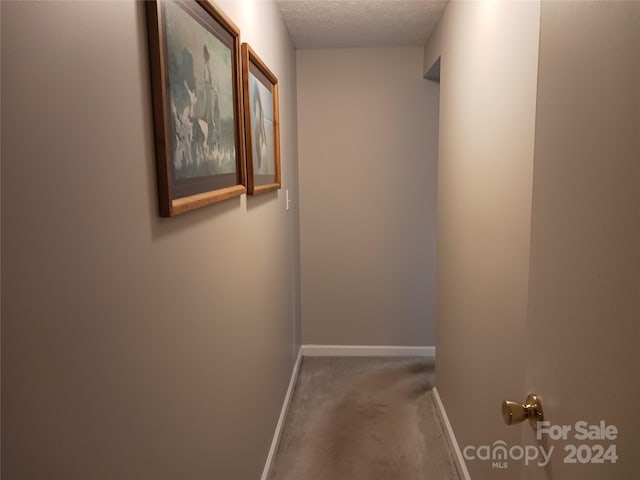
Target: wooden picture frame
point(196, 85)
point(261, 124)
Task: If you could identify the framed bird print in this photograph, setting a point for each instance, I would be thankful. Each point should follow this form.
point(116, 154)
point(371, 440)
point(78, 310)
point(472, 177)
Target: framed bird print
point(262, 123)
point(195, 79)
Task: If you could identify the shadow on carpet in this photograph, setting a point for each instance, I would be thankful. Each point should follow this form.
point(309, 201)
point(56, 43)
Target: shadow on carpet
point(364, 419)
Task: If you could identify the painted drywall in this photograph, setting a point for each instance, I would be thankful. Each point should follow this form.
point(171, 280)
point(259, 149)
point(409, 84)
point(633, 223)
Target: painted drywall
point(584, 293)
point(133, 347)
point(489, 59)
point(0, 243)
point(367, 124)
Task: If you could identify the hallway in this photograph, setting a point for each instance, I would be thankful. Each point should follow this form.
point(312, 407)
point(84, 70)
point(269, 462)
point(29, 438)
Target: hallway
point(459, 181)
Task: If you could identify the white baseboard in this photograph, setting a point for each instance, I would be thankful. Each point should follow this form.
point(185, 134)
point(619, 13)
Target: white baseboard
point(283, 415)
point(452, 438)
point(367, 351)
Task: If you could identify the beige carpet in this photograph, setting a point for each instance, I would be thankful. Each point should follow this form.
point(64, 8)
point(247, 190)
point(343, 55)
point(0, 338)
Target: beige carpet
point(364, 419)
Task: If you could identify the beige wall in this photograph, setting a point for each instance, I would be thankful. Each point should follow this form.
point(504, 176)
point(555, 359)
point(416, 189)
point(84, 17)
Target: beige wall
point(556, 314)
point(0, 240)
point(584, 300)
point(368, 153)
point(487, 118)
point(133, 347)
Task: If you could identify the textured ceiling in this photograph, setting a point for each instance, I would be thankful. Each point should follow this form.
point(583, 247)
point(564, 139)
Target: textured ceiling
point(360, 23)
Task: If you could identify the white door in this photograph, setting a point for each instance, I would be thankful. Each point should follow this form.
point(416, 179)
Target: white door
point(583, 325)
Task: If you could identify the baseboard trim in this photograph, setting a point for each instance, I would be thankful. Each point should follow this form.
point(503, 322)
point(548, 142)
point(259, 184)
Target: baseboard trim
point(367, 351)
point(275, 442)
point(452, 437)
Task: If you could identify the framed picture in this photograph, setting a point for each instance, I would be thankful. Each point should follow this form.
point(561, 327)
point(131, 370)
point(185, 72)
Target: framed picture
point(195, 79)
point(261, 123)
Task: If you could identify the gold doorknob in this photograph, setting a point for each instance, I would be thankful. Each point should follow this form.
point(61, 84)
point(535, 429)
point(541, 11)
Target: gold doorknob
point(516, 412)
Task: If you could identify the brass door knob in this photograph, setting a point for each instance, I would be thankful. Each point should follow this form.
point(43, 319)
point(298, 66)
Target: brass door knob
point(516, 412)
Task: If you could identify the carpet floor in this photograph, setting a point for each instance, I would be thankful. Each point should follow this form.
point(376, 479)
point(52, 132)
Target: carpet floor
point(355, 418)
